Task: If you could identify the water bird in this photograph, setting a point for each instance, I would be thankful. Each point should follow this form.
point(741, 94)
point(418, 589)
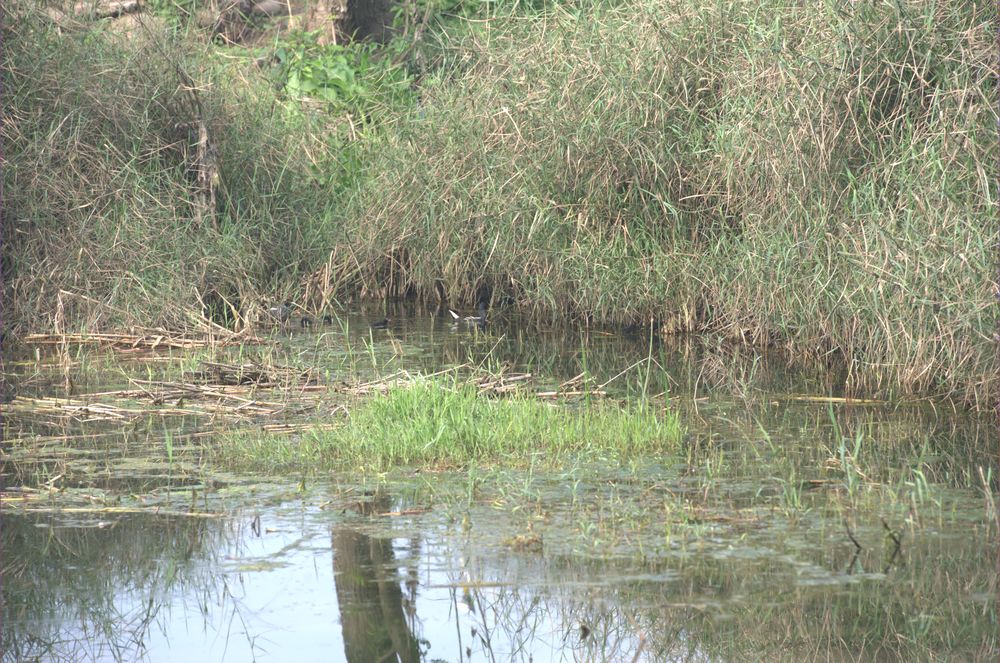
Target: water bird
point(305, 321)
point(479, 319)
point(382, 324)
point(327, 319)
point(281, 311)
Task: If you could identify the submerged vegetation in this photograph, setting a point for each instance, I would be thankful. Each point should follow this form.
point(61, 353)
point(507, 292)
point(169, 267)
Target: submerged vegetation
point(433, 423)
point(814, 177)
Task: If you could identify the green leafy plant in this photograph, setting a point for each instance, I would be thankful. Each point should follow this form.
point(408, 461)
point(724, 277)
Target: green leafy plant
point(355, 77)
point(176, 13)
point(320, 71)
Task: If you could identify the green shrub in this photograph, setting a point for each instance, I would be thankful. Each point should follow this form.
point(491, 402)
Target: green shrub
point(354, 78)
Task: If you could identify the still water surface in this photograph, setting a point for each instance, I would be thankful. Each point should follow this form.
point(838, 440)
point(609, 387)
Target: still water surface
point(787, 527)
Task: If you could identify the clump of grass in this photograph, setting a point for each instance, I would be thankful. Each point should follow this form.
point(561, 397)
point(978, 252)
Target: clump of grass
point(451, 424)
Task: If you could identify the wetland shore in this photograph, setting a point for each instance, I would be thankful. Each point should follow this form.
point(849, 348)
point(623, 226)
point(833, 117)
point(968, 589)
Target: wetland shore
point(832, 195)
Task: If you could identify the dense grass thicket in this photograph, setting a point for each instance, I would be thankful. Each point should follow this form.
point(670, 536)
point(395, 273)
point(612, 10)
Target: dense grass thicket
point(822, 177)
point(451, 424)
point(102, 198)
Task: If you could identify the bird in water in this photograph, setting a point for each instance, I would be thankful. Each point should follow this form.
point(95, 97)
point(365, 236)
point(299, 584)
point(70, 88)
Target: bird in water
point(382, 324)
point(327, 320)
point(479, 319)
point(281, 311)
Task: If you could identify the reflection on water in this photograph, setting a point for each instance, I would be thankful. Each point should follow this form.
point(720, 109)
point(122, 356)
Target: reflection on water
point(328, 576)
point(770, 535)
point(372, 618)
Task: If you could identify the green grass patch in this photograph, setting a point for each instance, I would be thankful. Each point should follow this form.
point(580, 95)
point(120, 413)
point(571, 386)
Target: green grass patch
point(451, 424)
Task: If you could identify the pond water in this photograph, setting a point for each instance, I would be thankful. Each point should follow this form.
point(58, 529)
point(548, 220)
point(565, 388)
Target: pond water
point(790, 525)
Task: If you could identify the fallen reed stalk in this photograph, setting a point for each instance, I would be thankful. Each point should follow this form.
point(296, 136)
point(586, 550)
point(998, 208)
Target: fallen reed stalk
point(151, 339)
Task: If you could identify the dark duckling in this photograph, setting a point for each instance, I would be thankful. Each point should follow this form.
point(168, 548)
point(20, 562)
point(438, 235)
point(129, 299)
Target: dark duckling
point(382, 324)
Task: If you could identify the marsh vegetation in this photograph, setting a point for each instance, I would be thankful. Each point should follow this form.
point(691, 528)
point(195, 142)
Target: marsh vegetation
point(816, 179)
point(726, 394)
